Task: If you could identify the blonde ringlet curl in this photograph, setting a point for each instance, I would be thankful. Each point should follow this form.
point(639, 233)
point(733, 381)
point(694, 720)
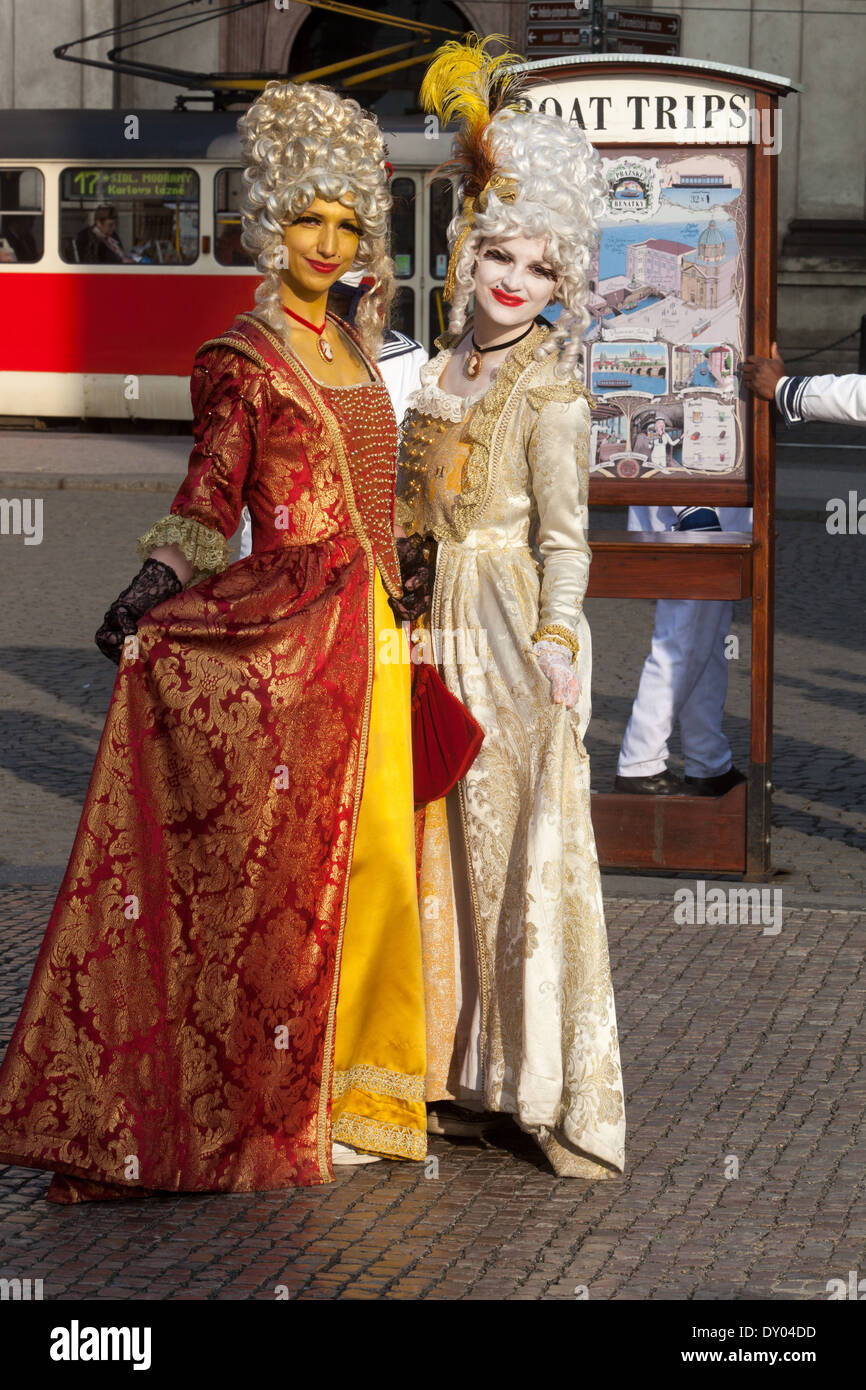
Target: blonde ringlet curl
point(560, 197)
point(302, 142)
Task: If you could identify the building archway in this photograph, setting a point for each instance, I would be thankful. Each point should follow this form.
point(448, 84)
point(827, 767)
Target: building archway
point(325, 38)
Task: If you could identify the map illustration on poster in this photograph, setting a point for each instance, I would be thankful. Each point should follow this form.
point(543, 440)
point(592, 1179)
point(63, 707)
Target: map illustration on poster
point(668, 315)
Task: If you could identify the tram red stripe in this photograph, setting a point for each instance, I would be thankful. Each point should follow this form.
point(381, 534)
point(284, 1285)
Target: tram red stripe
point(130, 323)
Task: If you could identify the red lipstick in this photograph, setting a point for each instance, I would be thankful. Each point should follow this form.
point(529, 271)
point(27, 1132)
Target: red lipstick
point(512, 300)
point(321, 267)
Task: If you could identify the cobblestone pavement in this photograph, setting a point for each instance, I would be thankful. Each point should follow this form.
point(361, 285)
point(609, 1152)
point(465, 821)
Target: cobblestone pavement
point(739, 1050)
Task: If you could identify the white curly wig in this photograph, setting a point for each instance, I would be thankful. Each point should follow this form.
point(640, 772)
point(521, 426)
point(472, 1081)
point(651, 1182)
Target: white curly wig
point(560, 196)
point(301, 143)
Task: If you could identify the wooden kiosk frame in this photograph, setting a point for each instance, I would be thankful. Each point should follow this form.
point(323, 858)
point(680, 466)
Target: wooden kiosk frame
point(692, 106)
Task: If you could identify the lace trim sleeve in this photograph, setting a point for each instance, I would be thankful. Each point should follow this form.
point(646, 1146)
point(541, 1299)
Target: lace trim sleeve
point(206, 549)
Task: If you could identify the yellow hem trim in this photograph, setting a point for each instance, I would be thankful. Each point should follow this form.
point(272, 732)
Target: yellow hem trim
point(397, 1141)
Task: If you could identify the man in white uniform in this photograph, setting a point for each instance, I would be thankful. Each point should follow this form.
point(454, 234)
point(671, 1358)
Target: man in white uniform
point(685, 676)
point(837, 400)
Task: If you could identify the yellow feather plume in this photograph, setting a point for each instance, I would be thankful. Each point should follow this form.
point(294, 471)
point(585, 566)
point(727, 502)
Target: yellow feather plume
point(466, 83)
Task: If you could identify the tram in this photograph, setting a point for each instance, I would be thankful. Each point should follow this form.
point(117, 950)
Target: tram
point(87, 340)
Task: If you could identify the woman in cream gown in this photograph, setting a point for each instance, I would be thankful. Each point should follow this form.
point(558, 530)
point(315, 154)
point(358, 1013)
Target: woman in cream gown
point(495, 466)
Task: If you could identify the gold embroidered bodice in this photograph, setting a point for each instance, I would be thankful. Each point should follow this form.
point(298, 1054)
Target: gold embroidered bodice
point(366, 417)
point(311, 462)
point(433, 460)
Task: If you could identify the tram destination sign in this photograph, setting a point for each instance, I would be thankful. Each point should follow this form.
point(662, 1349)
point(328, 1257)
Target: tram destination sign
point(108, 184)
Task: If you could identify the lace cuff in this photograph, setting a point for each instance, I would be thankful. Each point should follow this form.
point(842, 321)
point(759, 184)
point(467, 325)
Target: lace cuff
point(404, 514)
point(556, 632)
point(206, 549)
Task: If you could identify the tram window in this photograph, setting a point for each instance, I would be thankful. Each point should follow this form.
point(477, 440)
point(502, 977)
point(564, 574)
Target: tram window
point(132, 216)
point(403, 311)
point(403, 227)
point(228, 194)
point(21, 216)
point(441, 212)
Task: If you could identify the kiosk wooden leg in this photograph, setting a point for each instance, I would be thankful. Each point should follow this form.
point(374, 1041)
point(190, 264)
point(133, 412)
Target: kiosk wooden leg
point(758, 822)
point(758, 810)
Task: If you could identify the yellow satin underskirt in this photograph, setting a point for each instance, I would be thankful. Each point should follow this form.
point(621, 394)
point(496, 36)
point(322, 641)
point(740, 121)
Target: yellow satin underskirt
point(379, 1062)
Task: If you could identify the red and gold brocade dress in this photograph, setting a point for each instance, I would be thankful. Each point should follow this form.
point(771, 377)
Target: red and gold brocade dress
point(231, 975)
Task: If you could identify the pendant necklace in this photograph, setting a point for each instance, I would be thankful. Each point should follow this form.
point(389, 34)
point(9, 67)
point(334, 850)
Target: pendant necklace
point(325, 349)
point(473, 361)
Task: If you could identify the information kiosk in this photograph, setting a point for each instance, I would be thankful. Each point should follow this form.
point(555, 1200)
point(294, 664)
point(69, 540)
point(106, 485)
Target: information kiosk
point(684, 289)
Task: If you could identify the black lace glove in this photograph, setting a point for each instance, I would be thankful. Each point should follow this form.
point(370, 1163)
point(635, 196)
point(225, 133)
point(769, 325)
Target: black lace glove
point(417, 556)
point(153, 583)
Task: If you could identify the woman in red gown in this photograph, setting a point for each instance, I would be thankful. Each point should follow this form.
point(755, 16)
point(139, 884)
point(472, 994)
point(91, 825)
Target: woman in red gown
point(231, 978)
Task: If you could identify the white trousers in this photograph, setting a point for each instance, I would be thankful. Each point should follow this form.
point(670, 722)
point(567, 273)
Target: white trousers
point(685, 678)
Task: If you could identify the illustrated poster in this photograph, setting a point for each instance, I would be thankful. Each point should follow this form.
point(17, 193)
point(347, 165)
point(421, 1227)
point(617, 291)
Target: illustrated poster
point(669, 315)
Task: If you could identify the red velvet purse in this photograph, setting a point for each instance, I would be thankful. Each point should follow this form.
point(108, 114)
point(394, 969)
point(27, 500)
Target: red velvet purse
point(445, 737)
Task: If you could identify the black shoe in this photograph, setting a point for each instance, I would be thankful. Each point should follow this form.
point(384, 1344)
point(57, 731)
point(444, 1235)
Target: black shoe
point(698, 519)
point(714, 786)
point(662, 784)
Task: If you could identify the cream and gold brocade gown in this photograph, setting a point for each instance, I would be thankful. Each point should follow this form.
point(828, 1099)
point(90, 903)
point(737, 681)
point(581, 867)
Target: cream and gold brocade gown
point(520, 1009)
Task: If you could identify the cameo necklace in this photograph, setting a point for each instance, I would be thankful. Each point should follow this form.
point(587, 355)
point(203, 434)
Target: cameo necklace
point(473, 361)
point(325, 349)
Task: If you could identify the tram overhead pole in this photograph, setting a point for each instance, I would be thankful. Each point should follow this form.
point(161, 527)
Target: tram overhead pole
point(420, 37)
